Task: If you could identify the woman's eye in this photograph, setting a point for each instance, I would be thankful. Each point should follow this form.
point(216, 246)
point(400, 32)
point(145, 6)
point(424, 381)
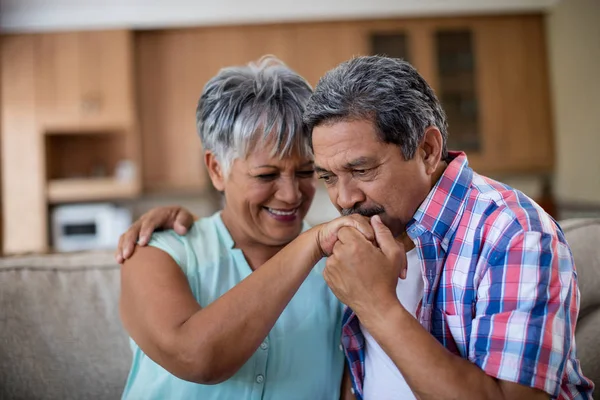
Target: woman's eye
point(267, 177)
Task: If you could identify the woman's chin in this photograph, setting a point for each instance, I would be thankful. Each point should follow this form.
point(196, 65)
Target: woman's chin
point(283, 236)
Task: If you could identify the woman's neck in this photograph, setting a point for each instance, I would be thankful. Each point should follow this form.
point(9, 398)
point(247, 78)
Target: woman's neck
point(256, 254)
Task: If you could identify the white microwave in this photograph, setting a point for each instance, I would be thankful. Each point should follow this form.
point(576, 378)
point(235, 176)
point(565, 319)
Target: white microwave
point(77, 227)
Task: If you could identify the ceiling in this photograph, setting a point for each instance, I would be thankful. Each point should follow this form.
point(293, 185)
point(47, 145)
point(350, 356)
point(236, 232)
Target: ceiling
point(43, 15)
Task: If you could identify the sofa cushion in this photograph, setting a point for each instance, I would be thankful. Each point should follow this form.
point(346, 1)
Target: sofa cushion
point(61, 337)
point(60, 332)
point(583, 236)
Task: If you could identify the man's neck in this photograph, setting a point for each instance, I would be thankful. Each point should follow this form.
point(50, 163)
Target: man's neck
point(439, 171)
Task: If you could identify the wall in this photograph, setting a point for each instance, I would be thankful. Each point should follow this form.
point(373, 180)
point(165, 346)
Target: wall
point(573, 32)
point(23, 15)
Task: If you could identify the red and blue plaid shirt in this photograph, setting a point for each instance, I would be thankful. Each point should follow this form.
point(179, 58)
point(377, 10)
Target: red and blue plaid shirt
point(500, 287)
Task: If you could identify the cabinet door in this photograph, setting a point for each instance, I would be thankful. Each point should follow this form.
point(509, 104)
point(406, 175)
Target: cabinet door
point(490, 75)
point(514, 94)
point(58, 95)
point(23, 181)
point(106, 79)
point(456, 87)
point(319, 47)
point(84, 80)
point(170, 76)
point(172, 69)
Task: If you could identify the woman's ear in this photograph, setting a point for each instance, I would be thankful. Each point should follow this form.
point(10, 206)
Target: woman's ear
point(431, 148)
point(215, 172)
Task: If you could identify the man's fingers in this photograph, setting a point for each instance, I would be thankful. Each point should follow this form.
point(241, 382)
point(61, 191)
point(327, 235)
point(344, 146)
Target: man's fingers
point(119, 253)
point(385, 239)
point(129, 240)
point(183, 221)
point(403, 271)
point(145, 231)
point(347, 234)
point(337, 247)
point(361, 224)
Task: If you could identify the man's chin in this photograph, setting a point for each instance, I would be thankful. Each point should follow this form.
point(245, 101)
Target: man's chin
point(395, 227)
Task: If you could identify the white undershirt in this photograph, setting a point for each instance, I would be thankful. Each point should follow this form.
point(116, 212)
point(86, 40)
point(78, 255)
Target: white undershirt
point(383, 380)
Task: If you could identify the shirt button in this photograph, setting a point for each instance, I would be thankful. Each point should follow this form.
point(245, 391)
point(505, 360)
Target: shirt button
point(341, 348)
point(260, 378)
point(352, 390)
point(264, 345)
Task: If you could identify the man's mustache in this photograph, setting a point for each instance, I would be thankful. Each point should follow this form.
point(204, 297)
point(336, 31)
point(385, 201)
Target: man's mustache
point(364, 211)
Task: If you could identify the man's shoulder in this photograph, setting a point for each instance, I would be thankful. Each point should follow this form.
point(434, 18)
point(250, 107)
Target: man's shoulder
point(506, 211)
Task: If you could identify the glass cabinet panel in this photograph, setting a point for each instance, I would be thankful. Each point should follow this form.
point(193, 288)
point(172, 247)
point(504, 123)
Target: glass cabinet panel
point(456, 88)
point(391, 45)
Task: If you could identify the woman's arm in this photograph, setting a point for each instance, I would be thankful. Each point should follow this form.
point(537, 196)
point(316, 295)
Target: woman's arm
point(208, 345)
point(346, 391)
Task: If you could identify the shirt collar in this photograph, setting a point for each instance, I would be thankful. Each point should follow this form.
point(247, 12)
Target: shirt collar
point(223, 231)
point(438, 214)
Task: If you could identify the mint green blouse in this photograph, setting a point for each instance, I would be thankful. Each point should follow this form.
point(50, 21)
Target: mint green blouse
point(301, 358)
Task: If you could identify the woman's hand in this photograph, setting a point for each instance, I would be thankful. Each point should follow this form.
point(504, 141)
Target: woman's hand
point(139, 233)
point(327, 232)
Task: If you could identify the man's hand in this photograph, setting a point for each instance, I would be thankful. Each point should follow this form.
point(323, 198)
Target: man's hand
point(360, 274)
point(176, 218)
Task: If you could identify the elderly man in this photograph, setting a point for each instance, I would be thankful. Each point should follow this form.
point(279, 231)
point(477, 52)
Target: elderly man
point(496, 315)
point(470, 291)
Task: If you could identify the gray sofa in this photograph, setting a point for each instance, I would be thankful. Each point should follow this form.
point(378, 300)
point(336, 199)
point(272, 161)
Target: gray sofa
point(61, 338)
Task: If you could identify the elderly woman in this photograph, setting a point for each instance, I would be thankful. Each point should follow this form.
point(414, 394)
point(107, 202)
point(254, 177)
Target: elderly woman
point(238, 308)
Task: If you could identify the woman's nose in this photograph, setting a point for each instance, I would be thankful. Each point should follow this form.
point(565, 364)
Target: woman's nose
point(289, 191)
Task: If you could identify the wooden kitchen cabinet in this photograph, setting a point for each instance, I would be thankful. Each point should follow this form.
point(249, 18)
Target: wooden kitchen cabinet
point(319, 47)
point(68, 118)
point(23, 181)
point(84, 81)
point(172, 68)
point(491, 75)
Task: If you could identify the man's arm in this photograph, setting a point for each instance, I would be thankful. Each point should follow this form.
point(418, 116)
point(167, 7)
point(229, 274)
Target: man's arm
point(431, 371)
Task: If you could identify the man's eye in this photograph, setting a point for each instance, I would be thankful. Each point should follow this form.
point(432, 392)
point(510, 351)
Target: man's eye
point(326, 178)
point(361, 172)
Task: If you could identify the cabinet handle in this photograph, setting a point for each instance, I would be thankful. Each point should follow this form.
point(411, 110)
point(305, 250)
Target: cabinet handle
point(91, 105)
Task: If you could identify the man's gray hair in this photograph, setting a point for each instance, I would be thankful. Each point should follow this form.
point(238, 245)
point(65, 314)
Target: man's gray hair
point(242, 106)
point(388, 91)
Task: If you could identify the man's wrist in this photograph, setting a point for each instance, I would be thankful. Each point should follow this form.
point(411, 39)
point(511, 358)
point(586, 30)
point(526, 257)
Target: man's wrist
point(379, 316)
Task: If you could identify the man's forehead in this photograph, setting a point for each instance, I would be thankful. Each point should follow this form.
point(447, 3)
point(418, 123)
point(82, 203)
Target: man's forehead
point(356, 158)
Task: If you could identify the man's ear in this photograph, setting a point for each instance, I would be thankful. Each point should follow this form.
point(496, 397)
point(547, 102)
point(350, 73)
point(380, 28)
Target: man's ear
point(215, 171)
point(431, 149)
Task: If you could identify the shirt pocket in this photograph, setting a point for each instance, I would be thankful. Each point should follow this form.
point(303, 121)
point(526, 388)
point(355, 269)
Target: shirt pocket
point(456, 333)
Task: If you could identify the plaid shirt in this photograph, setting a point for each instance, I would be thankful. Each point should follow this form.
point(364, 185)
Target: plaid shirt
point(500, 287)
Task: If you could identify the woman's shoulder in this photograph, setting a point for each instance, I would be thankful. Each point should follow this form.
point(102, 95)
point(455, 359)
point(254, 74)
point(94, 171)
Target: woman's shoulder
point(202, 241)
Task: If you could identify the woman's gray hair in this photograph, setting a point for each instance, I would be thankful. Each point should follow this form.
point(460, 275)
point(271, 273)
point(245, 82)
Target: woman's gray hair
point(388, 91)
point(242, 107)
